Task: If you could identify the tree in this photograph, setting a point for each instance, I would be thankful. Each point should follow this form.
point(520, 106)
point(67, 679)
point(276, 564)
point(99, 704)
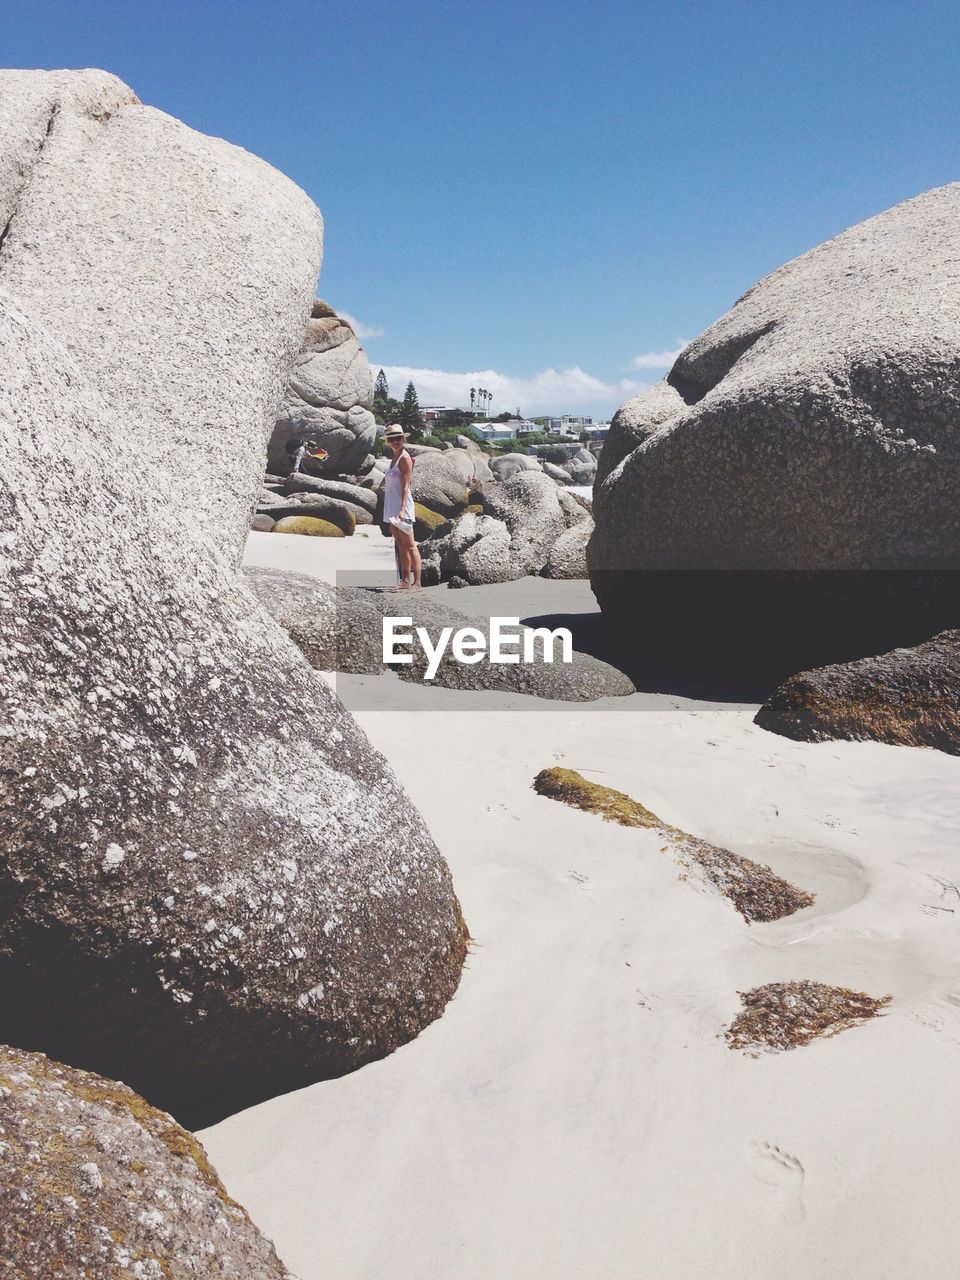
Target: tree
point(382, 404)
point(411, 419)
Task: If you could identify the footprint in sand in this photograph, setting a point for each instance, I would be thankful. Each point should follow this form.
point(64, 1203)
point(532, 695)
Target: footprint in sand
point(778, 1168)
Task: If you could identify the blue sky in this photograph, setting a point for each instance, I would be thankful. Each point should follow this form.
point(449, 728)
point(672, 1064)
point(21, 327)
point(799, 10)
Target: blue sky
point(538, 195)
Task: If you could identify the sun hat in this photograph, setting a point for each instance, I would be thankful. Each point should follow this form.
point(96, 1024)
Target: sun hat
point(394, 432)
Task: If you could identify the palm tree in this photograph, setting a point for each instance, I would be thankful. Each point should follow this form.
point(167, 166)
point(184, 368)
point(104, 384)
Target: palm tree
point(473, 396)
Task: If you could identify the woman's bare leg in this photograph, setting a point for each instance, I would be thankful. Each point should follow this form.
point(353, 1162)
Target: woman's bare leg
point(410, 558)
point(401, 553)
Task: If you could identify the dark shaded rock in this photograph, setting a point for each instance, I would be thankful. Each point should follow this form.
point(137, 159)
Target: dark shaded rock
point(909, 696)
point(793, 483)
point(428, 524)
point(211, 885)
point(95, 1183)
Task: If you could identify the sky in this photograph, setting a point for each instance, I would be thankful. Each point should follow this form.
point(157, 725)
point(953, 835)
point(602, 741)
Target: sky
point(546, 199)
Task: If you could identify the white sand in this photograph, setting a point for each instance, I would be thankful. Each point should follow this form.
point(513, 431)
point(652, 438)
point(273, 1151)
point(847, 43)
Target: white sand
point(574, 1113)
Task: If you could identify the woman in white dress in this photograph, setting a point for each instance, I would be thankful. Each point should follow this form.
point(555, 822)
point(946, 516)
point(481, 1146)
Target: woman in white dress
point(398, 510)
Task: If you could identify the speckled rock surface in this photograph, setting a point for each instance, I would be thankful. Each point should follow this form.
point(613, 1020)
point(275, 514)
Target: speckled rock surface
point(334, 631)
point(341, 630)
point(909, 697)
point(477, 549)
point(95, 1184)
point(316, 507)
point(146, 252)
point(793, 486)
point(328, 399)
point(568, 555)
point(529, 505)
point(212, 886)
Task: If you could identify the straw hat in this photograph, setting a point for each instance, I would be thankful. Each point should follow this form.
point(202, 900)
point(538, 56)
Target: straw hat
point(394, 432)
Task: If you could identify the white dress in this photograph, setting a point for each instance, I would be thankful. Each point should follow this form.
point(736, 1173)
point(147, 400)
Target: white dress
point(393, 492)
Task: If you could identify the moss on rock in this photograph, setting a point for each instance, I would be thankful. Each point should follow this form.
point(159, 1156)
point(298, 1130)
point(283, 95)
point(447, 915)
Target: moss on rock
point(754, 889)
point(311, 526)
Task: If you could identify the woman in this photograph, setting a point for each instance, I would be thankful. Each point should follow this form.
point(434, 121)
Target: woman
point(398, 508)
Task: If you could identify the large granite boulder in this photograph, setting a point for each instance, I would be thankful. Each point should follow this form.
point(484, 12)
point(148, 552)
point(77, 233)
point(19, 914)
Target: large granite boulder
point(329, 398)
point(97, 1184)
point(316, 506)
point(909, 696)
point(211, 886)
point(788, 495)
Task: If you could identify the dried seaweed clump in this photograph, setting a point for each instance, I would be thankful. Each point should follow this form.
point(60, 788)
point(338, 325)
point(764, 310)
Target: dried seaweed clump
point(786, 1015)
point(756, 891)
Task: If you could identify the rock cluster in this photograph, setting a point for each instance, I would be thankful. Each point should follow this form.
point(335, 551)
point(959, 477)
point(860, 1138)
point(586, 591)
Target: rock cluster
point(788, 495)
point(95, 1184)
point(528, 525)
point(212, 886)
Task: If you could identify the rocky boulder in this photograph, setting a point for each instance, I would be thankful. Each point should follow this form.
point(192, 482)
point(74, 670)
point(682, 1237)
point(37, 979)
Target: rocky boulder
point(211, 886)
point(94, 1182)
point(354, 494)
point(568, 555)
point(529, 505)
point(445, 481)
point(329, 398)
point(315, 506)
point(909, 696)
point(506, 466)
point(792, 485)
point(342, 630)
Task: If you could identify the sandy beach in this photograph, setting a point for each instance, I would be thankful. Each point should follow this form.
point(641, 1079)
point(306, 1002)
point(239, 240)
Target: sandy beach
point(576, 1110)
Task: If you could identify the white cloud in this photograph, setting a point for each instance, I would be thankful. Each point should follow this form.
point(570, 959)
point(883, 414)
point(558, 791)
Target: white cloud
point(552, 391)
point(359, 328)
point(656, 359)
